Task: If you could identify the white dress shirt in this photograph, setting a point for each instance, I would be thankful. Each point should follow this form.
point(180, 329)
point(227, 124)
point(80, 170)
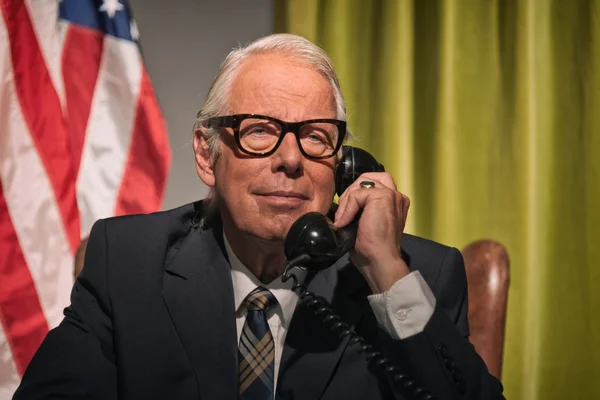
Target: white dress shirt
point(402, 311)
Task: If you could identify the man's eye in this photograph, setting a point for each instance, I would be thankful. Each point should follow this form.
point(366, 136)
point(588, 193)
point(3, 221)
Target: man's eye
point(314, 137)
point(258, 131)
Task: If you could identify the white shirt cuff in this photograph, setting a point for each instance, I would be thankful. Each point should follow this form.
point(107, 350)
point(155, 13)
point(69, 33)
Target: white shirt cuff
point(405, 309)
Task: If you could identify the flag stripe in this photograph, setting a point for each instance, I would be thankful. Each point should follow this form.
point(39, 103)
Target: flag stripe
point(80, 65)
point(20, 310)
point(42, 113)
point(145, 174)
point(109, 131)
point(33, 210)
point(50, 35)
point(22, 322)
point(35, 282)
point(9, 377)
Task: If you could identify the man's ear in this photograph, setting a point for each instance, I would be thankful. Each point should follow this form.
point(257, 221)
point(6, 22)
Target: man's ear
point(204, 159)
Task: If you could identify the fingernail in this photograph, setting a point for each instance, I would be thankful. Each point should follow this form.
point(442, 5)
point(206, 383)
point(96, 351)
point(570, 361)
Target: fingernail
point(337, 217)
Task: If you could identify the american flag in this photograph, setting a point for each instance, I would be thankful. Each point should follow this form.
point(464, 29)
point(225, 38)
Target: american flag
point(81, 138)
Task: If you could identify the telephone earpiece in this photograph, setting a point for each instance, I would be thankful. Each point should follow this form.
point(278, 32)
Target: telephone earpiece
point(313, 234)
point(354, 163)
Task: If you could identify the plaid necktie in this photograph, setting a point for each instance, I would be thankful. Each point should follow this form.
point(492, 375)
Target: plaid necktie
point(257, 348)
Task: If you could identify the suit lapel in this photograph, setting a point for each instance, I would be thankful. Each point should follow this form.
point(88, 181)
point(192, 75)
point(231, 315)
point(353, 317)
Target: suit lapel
point(198, 292)
point(311, 352)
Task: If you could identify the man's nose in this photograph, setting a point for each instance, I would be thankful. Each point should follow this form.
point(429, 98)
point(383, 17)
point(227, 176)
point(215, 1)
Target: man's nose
point(288, 157)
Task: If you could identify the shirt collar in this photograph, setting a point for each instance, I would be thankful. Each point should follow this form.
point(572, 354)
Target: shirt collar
point(245, 282)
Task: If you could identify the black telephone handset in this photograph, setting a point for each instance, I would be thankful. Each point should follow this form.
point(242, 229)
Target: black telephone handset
point(314, 243)
point(313, 234)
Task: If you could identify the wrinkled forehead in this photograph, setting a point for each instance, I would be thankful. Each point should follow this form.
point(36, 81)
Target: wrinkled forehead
point(281, 87)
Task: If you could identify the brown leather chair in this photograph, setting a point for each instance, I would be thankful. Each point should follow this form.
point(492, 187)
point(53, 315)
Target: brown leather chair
point(487, 265)
point(79, 257)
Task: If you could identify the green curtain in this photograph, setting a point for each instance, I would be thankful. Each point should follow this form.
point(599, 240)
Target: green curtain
point(487, 114)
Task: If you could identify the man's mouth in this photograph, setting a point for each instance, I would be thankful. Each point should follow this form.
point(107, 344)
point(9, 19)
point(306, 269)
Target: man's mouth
point(283, 198)
point(285, 194)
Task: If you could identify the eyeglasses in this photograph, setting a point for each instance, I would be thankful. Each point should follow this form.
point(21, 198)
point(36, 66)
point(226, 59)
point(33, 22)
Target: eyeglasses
point(260, 136)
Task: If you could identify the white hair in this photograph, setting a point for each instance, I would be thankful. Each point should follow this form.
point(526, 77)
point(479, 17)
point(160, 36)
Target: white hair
point(283, 43)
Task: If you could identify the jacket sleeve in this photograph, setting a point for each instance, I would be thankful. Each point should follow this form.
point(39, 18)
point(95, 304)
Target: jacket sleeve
point(76, 359)
point(441, 359)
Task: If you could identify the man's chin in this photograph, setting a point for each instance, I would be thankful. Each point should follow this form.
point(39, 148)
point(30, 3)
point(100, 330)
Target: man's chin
point(273, 229)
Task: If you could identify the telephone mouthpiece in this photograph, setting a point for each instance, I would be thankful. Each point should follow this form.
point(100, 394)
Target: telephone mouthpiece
point(314, 235)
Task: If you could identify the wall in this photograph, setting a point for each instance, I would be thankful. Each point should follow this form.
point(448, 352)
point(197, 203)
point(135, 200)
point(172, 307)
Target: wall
point(183, 43)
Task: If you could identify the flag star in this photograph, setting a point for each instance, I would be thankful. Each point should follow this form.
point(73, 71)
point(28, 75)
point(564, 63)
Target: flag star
point(111, 7)
point(133, 30)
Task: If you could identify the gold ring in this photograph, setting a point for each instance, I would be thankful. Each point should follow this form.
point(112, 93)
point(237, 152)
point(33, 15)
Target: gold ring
point(367, 184)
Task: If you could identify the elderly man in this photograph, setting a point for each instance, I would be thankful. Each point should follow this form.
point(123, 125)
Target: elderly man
point(189, 303)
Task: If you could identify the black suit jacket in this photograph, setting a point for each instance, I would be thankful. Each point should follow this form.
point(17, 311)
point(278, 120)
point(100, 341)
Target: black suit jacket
point(152, 317)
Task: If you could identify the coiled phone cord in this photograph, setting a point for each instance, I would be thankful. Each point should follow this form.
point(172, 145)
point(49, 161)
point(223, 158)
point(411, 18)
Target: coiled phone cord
point(333, 322)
